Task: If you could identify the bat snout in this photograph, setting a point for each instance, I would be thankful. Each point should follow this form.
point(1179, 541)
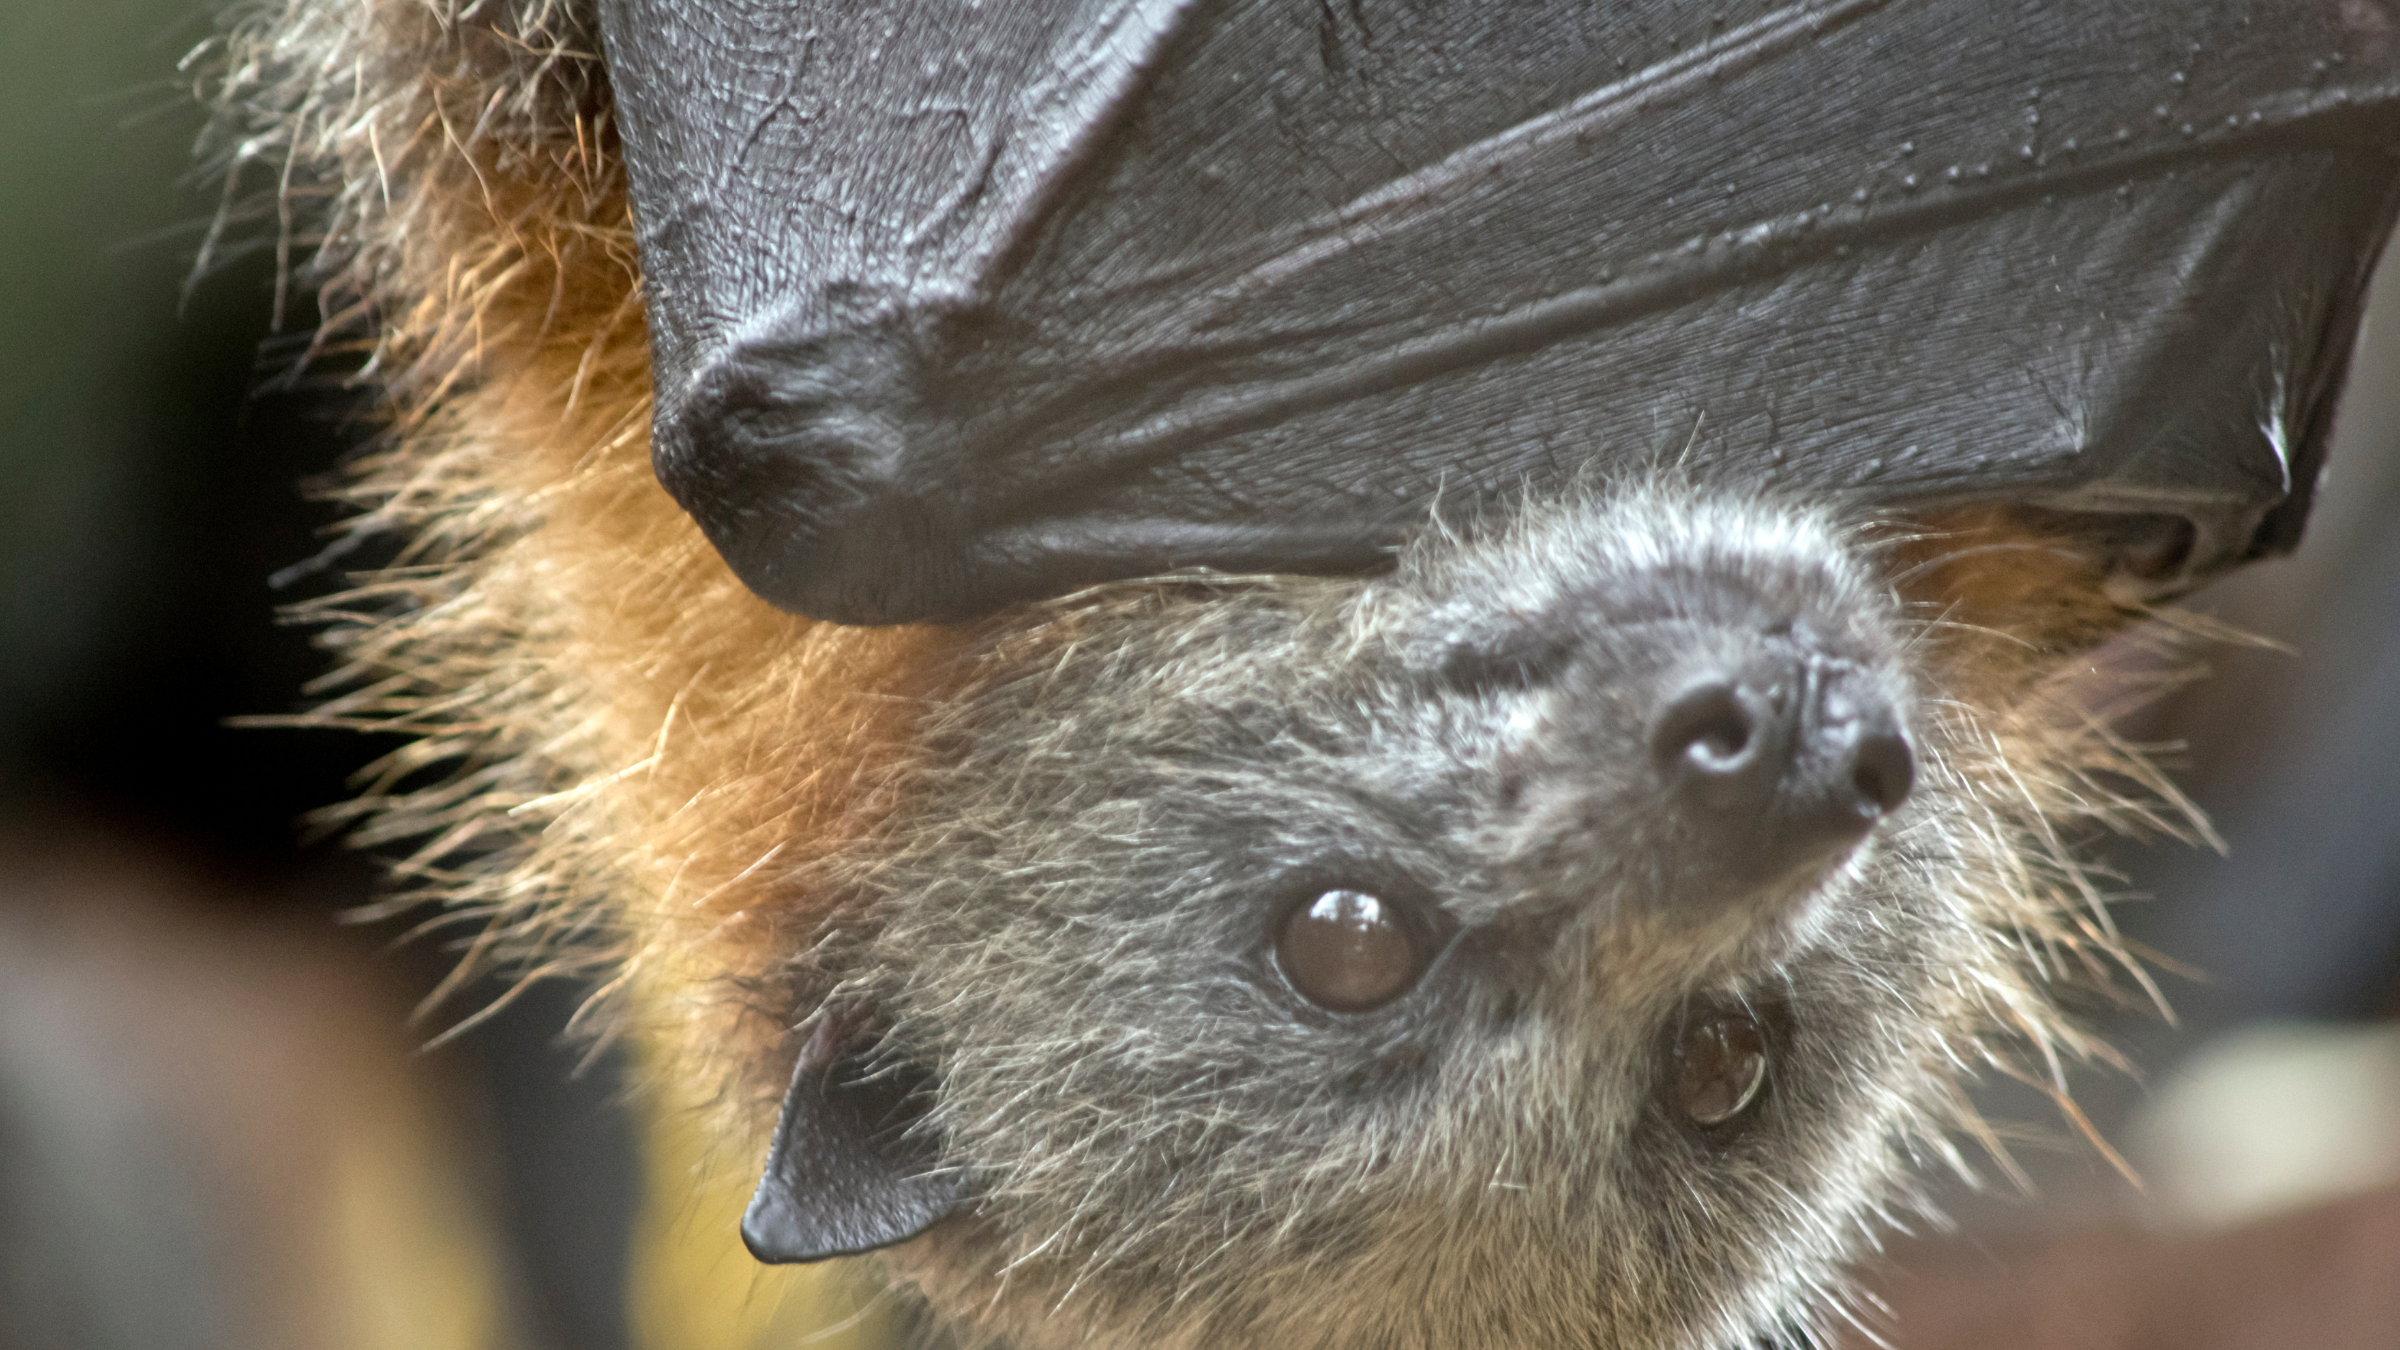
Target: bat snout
point(1780, 763)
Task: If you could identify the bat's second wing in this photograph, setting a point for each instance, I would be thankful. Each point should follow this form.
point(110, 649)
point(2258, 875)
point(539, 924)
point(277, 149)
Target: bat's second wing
point(955, 304)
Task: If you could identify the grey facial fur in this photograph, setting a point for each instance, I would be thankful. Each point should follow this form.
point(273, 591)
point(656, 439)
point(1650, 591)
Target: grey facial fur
point(1073, 922)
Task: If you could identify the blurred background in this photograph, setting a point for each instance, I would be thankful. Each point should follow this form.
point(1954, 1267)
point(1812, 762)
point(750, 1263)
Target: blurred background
point(218, 1129)
point(216, 1126)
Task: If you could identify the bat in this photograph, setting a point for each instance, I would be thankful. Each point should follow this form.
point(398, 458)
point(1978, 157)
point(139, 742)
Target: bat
point(1307, 674)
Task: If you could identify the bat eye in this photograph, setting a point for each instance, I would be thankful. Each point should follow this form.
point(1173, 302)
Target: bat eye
point(1349, 951)
point(1720, 1065)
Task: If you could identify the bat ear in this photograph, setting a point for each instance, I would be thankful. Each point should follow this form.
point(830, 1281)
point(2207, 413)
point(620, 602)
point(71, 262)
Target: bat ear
point(846, 1173)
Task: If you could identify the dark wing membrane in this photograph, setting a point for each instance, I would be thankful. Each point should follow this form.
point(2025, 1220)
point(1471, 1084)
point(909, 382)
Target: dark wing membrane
point(957, 304)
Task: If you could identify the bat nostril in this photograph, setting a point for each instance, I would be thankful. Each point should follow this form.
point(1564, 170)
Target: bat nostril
point(1852, 767)
point(1883, 770)
point(1710, 730)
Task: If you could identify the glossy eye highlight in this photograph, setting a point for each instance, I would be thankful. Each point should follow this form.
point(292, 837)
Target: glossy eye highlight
point(1720, 1065)
point(1348, 951)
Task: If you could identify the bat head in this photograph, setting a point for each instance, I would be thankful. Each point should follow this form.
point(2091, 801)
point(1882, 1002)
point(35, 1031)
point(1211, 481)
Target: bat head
point(1543, 944)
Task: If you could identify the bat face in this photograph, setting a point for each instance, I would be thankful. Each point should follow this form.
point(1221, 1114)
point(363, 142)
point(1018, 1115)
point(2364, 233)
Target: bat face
point(1545, 945)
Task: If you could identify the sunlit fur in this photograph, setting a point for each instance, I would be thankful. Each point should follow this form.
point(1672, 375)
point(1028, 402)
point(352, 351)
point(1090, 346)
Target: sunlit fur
point(627, 766)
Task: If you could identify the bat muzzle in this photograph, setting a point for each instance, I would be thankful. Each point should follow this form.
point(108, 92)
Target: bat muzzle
point(1779, 766)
